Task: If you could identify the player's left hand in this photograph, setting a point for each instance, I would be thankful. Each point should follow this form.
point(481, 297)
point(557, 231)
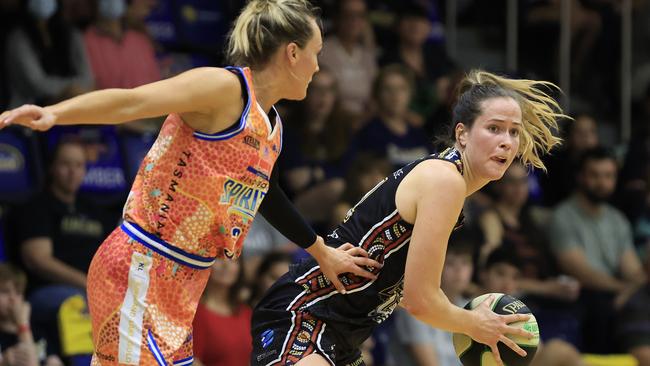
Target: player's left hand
point(345, 259)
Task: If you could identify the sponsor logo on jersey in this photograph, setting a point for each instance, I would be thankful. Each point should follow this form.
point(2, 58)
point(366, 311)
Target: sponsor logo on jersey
point(243, 199)
point(252, 142)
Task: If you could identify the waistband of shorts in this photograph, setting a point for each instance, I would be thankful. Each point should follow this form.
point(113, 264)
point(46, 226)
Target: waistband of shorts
point(165, 249)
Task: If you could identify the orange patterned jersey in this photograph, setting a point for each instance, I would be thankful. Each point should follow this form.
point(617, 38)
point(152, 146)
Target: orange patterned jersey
point(200, 192)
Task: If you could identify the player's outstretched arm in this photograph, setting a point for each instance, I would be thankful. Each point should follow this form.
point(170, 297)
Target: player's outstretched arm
point(439, 200)
point(202, 91)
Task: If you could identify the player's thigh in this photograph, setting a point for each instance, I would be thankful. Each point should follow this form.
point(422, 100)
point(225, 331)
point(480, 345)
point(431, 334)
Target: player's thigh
point(313, 359)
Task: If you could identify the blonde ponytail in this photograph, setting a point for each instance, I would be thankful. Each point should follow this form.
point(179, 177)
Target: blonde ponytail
point(264, 25)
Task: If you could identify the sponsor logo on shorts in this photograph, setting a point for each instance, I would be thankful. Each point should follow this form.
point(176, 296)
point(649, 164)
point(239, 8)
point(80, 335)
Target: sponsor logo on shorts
point(267, 338)
point(357, 362)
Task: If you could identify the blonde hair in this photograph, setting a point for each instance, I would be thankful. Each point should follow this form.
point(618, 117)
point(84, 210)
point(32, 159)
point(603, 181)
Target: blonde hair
point(264, 25)
point(540, 111)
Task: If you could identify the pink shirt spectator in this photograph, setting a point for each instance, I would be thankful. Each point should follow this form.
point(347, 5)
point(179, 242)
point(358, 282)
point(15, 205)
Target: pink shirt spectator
point(127, 63)
point(354, 72)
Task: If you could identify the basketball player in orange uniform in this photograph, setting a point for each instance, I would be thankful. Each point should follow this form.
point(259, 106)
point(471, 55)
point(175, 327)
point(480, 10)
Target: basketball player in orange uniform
point(201, 184)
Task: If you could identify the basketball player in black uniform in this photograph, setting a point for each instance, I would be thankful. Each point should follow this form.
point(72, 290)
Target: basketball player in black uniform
point(404, 223)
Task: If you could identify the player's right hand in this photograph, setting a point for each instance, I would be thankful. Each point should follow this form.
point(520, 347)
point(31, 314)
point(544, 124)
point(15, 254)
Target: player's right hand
point(28, 115)
point(491, 328)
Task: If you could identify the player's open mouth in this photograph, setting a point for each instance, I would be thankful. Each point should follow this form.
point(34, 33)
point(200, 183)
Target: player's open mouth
point(500, 160)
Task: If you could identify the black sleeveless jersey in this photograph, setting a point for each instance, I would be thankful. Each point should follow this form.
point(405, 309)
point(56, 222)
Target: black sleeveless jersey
point(375, 225)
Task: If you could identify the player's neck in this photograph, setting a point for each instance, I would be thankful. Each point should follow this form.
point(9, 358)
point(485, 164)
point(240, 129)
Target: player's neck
point(472, 182)
point(267, 88)
point(63, 195)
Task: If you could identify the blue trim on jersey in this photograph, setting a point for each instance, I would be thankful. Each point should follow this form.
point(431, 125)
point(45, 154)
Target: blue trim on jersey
point(153, 347)
point(258, 173)
point(242, 120)
point(185, 361)
point(165, 249)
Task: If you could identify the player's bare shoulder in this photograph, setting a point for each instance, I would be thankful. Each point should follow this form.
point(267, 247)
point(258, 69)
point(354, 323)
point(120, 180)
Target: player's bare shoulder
point(434, 174)
point(221, 93)
point(428, 178)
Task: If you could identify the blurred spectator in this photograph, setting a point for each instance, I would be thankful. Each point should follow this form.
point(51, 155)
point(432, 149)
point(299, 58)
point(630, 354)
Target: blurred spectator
point(45, 57)
point(390, 135)
point(418, 344)
point(317, 150)
point(581, 134)
point(16, 338)
point(119, 57)
point(222, 322)
point(59, 231)
point(57, 235)
point(273, 266)
point(428, 61)
point(438, 124)
point(350, 54)
point(501, 274)
point(593, 243)
point(517, 227)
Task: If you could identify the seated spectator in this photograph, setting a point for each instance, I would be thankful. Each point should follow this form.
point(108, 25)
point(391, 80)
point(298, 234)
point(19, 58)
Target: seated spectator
point(517, 227)
point(119, 57)
point(427, 61)
point(45, 58)
point(415, 343)
point(390, 135)
point(317, 150)
point(593, 243)
point(501, 274)
point(16, 339)
point(558, 183)
point(350, 54)
point(222, 322)
point(57, 235)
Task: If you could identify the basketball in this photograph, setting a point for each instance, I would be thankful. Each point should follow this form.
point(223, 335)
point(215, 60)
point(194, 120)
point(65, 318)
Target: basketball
point(472, 353)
